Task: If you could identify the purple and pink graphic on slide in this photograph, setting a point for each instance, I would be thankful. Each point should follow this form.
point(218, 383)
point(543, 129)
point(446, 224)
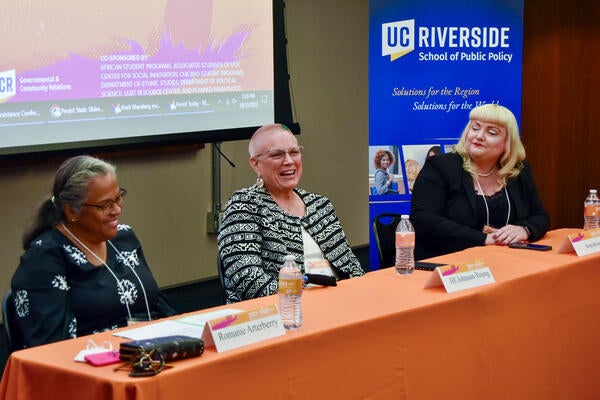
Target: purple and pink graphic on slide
point(134, 48)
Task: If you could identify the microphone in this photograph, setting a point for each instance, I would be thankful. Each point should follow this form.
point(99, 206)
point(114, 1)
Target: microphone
point(323, 280)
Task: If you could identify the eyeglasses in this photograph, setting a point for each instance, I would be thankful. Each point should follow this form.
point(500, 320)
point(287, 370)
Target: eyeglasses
point(279, 154)
point(107, 206)
point(147, 363)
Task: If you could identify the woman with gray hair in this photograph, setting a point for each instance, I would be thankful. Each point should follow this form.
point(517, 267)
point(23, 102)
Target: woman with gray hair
point(273, 218)
point(82, 272)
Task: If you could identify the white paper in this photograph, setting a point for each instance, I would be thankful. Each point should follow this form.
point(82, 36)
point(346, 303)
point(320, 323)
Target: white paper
point(189, 326)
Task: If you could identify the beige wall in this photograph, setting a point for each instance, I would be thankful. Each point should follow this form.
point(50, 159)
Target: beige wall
point(169, 195)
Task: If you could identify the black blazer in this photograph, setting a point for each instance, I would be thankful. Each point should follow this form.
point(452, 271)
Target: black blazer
point(444, 214)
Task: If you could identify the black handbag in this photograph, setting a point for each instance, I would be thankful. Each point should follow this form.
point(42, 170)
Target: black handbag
point(170, 348)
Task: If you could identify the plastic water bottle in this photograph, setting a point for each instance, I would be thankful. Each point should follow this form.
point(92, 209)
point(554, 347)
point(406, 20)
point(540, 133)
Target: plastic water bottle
point(290, 293)
point(405, 246)
point(591, 211)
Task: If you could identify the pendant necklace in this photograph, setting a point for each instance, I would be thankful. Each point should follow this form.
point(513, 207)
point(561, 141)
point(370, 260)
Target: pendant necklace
point(487, 210)
point(119, 284)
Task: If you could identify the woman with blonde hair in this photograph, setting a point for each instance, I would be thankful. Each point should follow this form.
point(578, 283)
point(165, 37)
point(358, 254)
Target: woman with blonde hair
point(483, 193)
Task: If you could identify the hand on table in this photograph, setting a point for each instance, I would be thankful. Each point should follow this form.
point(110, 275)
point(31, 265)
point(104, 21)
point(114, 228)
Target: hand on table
point(509, 234)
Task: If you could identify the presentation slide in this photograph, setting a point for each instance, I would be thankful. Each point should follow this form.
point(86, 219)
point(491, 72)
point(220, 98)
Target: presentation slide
point(75, 72)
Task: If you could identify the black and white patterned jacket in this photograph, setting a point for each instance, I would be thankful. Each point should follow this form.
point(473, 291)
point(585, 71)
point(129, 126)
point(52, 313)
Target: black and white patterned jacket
point(256, 234)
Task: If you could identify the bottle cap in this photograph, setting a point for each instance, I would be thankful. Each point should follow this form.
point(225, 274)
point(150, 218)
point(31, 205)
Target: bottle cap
point(289, 257)
point(593, 191)
point(405, 216)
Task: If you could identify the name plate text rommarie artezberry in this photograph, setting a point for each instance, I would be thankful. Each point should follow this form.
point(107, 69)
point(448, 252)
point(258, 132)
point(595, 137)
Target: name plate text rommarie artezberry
point(237, 330)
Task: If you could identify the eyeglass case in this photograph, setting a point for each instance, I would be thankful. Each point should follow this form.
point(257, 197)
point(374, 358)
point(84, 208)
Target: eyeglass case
point(172, 348)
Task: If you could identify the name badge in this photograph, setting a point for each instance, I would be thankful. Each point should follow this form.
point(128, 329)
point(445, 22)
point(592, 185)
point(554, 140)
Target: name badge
point(456, 277)
point(583, 243)
point(239, 329)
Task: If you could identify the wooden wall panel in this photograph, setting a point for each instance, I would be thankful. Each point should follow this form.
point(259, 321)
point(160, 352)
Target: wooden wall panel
point(560, 116)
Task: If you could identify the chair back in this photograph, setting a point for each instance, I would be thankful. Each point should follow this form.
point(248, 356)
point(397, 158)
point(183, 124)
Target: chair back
point(7, 317)
point(384, 230)
point(221, 276)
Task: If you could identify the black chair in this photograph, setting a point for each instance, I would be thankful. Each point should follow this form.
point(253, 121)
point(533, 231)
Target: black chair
point(7, 316)
point(221, 276)
point(384, 230)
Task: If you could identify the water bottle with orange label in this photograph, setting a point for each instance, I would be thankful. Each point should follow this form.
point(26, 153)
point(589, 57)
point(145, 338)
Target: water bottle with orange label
point(591, 211)
point(290, 293)
point(405, 246)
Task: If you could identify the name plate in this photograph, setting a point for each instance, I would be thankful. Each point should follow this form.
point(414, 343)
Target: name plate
point(456, 277)
point(239, 329)
point(584, 242)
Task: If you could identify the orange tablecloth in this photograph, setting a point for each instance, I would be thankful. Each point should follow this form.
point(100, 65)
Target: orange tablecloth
point(534, 334)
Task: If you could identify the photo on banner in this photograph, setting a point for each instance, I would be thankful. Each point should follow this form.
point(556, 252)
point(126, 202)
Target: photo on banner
point(383, 167)
point(429, 66)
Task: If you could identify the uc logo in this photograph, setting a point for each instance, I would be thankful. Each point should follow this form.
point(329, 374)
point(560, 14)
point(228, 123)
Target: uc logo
point(397, 38)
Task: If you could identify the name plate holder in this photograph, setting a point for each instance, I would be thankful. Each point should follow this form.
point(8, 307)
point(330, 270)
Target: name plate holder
point(243, 328)
point(583, 243)
point(455, 277)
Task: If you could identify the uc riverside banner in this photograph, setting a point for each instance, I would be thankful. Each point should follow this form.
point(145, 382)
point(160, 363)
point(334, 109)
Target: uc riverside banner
point(430, 63)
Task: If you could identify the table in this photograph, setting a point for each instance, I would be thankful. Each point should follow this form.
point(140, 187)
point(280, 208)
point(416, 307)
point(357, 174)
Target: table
point(534, 334)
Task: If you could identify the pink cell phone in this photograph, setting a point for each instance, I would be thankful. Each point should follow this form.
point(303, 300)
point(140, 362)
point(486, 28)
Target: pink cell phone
point(104, 358)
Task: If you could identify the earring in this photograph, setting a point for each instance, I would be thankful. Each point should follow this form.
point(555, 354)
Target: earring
point(73, 219)
point(259, 182)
